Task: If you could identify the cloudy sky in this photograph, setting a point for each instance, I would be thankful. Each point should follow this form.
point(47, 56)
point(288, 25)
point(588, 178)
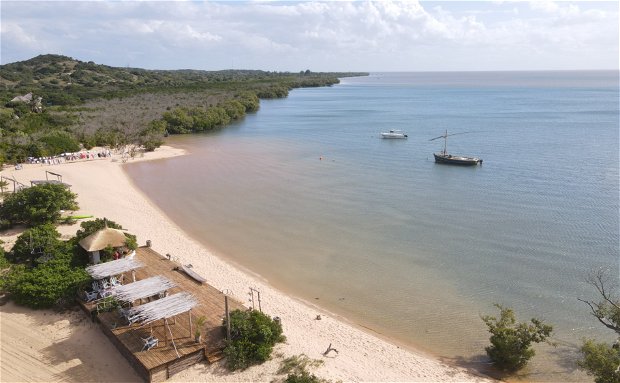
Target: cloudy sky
point(317, 35)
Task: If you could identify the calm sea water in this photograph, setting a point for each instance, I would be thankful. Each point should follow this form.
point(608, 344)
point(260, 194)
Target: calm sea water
point(307, 194)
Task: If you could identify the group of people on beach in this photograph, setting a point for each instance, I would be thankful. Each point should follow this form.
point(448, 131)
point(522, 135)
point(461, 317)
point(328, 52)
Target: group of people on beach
point(67, 157)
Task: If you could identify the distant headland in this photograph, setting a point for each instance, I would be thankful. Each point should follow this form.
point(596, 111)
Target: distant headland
point(62, 104)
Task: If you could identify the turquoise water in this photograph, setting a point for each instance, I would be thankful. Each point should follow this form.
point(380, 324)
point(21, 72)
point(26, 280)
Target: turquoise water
point(307, 194)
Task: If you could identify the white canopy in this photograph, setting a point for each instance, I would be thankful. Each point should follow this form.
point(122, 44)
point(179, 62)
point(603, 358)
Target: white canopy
point(163, 308)
point(143, 288)
point(107, 269)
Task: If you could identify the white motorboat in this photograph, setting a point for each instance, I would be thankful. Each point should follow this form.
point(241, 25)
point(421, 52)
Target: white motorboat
point(394, 134)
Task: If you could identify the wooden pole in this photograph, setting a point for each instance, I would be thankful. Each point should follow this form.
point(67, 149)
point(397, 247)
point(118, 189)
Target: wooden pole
point(252, 291)
point(227, 317)
point(171, 338)
point(165, 333)
point(191, 331)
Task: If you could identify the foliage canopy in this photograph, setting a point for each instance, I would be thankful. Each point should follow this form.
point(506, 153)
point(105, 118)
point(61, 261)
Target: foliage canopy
point(510, 348)
point(34, 241)
point(602, 360)
point(253, 335)
point(51, 279)
point(38, 204)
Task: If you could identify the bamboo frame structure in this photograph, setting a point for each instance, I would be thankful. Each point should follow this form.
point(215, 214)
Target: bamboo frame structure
point(143, 289)
point(108, 269)
point(162, 308)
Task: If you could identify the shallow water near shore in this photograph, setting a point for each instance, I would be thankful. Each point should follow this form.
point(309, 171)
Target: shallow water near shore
point(306, 193)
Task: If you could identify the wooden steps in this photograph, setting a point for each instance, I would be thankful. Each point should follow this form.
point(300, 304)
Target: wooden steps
point(214, 356)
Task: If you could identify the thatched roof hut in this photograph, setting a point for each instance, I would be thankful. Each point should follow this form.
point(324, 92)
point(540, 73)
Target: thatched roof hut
point(103, 238)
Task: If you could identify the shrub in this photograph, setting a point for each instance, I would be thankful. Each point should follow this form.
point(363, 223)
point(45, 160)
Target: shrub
point(304, 377)
point(38, 204)
point(50, 279)
point(510, 342)
point(601, 360)
point(253, 335)
point(4, 263)
point(297, 369)
point(46, 285)
point(59, 142)
point(44, 238)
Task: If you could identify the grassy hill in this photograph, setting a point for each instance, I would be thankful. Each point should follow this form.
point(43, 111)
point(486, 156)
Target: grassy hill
point(84, 104)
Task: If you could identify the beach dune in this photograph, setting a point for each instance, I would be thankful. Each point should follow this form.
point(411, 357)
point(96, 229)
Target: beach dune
point(83, 353)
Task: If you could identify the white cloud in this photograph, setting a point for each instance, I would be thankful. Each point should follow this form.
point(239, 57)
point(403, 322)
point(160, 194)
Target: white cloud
point(343, 35)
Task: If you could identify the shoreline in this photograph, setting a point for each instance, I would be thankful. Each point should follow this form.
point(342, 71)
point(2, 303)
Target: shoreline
point(105, 190)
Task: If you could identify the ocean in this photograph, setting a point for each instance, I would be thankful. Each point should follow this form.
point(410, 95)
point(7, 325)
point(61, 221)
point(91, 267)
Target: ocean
point(307, 194)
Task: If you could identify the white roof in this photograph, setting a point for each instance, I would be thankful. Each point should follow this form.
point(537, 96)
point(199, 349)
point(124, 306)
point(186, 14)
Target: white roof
point(107, 269)
point(163, 308)
point(143, 288)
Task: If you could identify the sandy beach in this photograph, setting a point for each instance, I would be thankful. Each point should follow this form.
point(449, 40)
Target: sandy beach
point(49, 346)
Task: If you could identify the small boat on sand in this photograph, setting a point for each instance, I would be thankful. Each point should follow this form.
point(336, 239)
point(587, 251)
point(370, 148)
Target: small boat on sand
point(394, 134)
point(444, 158)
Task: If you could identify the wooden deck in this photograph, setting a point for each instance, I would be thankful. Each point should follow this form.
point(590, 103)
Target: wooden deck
point(162, 361)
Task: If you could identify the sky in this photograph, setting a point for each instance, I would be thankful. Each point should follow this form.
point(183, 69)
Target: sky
point(371, 36)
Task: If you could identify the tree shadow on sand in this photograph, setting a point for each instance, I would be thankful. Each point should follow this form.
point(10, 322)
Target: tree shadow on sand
point(84, 355)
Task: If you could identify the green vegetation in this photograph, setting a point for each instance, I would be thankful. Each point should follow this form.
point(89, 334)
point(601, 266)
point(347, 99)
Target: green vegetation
point(253, 335)
point(510, 341)
point(303, 377)
point(3, 185)
point(297, 369)
point(200, 322)
point(80, 216)
point(4, 263)
point(34, 241)
point(36, 205)
point(44, 272)
point(602, 360)
point(98, 105)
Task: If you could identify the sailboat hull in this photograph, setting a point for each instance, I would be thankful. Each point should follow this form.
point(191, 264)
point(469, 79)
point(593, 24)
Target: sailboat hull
point(442, 158)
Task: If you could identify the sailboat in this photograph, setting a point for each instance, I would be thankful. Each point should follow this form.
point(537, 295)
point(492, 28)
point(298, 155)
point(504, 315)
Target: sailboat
point(445, 158)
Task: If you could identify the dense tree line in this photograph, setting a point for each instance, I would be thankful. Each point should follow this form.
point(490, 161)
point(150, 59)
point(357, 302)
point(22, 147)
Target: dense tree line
point(199, 119)
point(65, 84)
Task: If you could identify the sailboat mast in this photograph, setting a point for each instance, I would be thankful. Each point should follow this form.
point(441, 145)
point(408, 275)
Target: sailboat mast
point(445, 142)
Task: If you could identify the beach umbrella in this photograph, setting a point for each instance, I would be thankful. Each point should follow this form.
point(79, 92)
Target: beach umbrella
point(103, 238)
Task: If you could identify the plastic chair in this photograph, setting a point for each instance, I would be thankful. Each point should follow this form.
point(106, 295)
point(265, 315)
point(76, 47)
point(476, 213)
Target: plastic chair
point(149, 343)
point(90, 295)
